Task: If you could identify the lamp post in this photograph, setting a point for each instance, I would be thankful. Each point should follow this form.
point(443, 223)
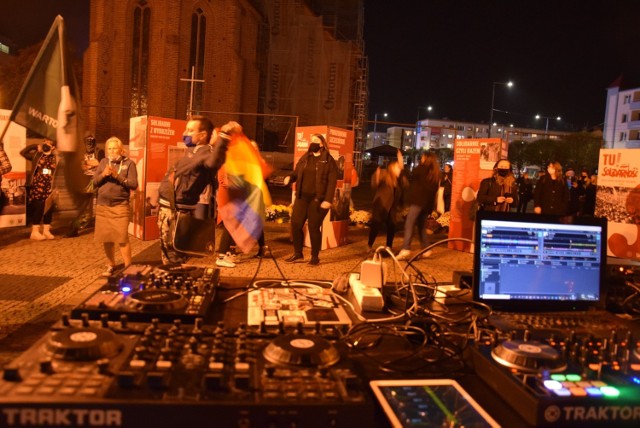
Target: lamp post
point(428, 109)
point(375, 125)
point(546, 127)
point(493, 96)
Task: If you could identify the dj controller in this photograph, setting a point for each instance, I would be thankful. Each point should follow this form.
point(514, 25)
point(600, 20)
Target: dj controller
point(113, 364)
point(571, 380)
point(144, 350)
point(143, 293)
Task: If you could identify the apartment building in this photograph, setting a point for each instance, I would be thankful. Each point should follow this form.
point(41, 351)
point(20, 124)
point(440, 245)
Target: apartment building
point(622, 116)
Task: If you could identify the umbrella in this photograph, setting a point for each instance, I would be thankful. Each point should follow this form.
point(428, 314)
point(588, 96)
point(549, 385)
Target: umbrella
point(383, 150)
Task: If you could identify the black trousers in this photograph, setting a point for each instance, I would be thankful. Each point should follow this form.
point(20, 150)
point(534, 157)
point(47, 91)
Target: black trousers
point(377, 225)
point(303, 210)
point(37, 212)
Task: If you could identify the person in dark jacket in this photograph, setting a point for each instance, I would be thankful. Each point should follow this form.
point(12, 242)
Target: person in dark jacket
point(184, 182)
point(525, 192)
point(387, 184)
point(500, 191)
point(590, 196)
point(44, 162)
point(316, 176)
point(421, 196)
point(551, 195)
point(446, 181)
point(115, 178)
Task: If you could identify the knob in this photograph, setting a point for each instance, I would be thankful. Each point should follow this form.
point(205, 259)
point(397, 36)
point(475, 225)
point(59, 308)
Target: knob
point(45, 366)
point(104, 320)
point(85, 320)
point(124, 321)
point(11, 374)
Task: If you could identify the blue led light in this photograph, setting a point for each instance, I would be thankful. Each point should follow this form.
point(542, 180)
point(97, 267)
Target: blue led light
point(125, 289)
point(593, 391)
point(635, 380)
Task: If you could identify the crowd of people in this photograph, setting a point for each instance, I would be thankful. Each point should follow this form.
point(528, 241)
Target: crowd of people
point(194, 182)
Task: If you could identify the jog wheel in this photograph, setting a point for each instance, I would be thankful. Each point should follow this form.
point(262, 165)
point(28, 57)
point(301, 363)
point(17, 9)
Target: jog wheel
point(528, 357)
point(83, 344)
point(156, 300)
point(301, 350)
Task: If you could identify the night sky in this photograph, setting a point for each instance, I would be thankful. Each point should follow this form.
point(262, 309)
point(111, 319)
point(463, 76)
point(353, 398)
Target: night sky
point(561, 55)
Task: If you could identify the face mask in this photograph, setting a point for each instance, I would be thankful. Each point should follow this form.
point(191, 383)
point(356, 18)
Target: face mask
point(188, 141)
point(503, 172)
point(314, 147)
point(46, 148)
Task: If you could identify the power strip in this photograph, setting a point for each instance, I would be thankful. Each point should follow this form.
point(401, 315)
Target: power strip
point(367, 298)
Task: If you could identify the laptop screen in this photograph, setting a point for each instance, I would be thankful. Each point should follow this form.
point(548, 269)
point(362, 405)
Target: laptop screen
point(529, 262)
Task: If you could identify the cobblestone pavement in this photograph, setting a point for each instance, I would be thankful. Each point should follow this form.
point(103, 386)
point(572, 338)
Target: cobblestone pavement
point(40, 280)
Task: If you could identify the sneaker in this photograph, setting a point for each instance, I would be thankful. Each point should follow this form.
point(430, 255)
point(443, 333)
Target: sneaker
point(108, 272)
point(225, 261)
point(404, 255)
point(426, 254)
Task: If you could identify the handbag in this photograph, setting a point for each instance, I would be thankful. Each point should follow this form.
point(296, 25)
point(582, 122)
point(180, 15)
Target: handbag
point(192, 235)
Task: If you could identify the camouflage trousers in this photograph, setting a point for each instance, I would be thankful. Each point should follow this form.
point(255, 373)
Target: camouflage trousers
point(166, 222)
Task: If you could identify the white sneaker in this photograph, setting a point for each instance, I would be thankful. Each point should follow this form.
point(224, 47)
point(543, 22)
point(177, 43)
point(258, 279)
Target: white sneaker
point(404, 255)
point(426, 254)
point(36, 235)
point(225, 261)
point(108, 272)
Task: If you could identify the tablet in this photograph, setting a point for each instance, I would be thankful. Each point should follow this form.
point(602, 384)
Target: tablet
point(429, 403)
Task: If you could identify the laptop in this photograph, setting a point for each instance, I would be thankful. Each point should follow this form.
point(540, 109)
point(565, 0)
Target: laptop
point(526, 263)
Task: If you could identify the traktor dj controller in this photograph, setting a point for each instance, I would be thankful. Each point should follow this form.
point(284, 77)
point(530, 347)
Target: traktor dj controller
point(573, 380)
point(116, 373)
point(143, 293)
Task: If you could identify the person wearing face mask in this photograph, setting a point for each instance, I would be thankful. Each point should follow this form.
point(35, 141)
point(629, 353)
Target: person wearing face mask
point(184, 182)
point(40, 184)
point(500, 191)
point(114, 179)
point(316, 176)
point(551, 195)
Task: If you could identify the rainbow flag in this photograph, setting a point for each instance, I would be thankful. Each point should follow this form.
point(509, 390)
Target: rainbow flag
point(243, 194)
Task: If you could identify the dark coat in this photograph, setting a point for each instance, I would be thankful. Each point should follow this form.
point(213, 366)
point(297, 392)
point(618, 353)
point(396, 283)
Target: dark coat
point(326, 176)
point(386, 199)
point(552, 196)
point(489, 192)
point(421, 192)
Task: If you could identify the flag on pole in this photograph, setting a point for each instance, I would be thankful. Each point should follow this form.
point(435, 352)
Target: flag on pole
point(48, 101)
point(243, 194)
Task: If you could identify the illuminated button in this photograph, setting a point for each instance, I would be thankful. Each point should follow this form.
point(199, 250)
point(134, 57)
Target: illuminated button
point(95, 383)
point(568, 384)
point(53, 382)
point(67, 391)
point(610, 391)
point(583, 384)
point(552, 384)
point(23, 390)
point(635, 367)
point(164, 364)
point(558, 377)
point(216, 366)
point(88, 391)
point(592, 391)
point(578, 392)
point(598, 383)
point(563, 392)
point(32, 382)
point(137, 364)
point(74, 383)
point(574, 377)
point(45, 390)
point(242, 367)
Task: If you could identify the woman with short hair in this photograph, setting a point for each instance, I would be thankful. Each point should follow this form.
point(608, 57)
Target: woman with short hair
point(115, 178)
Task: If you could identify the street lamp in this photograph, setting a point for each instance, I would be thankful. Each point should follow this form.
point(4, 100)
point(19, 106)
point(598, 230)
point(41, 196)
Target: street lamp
point(546, 127)
point(493, 96)
point(427, 108)
point(375, 124)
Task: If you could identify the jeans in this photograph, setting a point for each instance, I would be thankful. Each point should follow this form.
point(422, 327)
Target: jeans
point(417, 216)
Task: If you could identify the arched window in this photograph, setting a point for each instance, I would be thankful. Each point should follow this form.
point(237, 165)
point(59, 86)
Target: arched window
point(140, 59)
point(196, 57)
